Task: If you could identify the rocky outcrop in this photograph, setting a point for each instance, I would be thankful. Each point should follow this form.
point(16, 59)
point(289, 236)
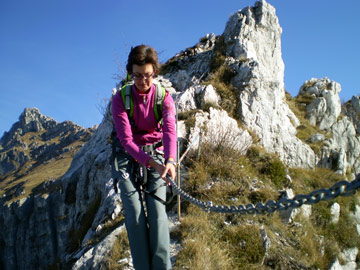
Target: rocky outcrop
point(352, 110)
point(325, 108)
point(192, 63)
point(252, 36)
point(221, 130)
point(340, 152)
point(251, 49)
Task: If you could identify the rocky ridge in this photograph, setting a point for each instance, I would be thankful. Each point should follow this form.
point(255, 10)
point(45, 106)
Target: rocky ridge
point(58, 229)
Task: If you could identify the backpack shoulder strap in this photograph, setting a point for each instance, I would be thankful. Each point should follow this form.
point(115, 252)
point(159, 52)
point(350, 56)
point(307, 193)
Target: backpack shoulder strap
point(158, 100)
point(127, 99)
point(129, 103)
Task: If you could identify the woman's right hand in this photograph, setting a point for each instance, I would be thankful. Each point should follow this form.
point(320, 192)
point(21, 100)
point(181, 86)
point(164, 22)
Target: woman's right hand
point(163, 170)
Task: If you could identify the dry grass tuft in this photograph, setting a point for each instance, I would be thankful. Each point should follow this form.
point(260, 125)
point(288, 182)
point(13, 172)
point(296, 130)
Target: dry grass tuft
point(120, 250)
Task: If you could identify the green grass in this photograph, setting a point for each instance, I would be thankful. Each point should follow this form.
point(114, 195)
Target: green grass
point(221, 81)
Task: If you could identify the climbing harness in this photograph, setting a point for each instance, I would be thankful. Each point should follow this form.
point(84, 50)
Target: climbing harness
point(140, 173)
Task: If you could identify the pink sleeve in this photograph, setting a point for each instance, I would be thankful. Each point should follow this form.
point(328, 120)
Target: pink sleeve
point(169, 128)
point(123, 131)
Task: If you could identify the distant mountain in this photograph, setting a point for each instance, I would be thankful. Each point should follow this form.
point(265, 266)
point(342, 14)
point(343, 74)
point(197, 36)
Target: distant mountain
point(33, 147)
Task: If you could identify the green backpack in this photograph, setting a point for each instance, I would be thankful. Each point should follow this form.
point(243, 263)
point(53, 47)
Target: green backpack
point(129, 103)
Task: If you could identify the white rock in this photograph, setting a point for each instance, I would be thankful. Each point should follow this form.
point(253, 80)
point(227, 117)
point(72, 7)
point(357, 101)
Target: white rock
point(306, 210)
point(221, 130)
point(335, 212)
point(336, 265)
point(318, 137)
point(349, 255)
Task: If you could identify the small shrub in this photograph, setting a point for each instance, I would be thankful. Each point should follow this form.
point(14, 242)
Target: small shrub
point(261, 195)
point(275, 169)
point(189, 118)
point(219, 53)
point(321, 215)
point(268, 165)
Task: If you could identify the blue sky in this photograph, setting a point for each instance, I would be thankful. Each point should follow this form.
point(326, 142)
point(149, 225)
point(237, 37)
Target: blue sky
point(62, 57)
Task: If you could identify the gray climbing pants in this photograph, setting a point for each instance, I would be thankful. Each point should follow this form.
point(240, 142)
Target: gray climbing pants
point(148, 230)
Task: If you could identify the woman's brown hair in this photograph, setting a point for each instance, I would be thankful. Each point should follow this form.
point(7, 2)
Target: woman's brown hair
point(141, 55)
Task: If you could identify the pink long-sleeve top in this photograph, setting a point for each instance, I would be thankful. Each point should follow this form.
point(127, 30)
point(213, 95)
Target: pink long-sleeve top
point(147, 130)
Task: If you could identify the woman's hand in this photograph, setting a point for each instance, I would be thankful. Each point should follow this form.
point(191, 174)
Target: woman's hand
point(169, 169)
point(163, 170)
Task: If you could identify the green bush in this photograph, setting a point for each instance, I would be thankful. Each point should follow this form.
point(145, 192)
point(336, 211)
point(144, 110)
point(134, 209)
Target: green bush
point(276, 171)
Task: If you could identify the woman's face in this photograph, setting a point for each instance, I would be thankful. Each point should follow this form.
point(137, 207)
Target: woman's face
point(143, 77)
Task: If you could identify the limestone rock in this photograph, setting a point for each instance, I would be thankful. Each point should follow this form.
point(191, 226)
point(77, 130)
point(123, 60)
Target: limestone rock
point(93, 258)
point(220, 130)
point(342, 151)
point(288, 215)
point(31, 120)
point(355, 102)
point(352, 110)
point(318, 137)
point(335, 212)
point(326, 107)
point(197, 96)
point(348, 256)
point(193, 62)
point(252, 38)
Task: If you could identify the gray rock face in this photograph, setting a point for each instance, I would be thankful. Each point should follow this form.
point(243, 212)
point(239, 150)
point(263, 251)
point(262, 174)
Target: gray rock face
point(340, 152)
point(253, 53)
point(193, 62)
point(326, 106)
point(31, 120)
point(253, 33)
point(196, 97)
point(33, 228)
point(352, 110)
